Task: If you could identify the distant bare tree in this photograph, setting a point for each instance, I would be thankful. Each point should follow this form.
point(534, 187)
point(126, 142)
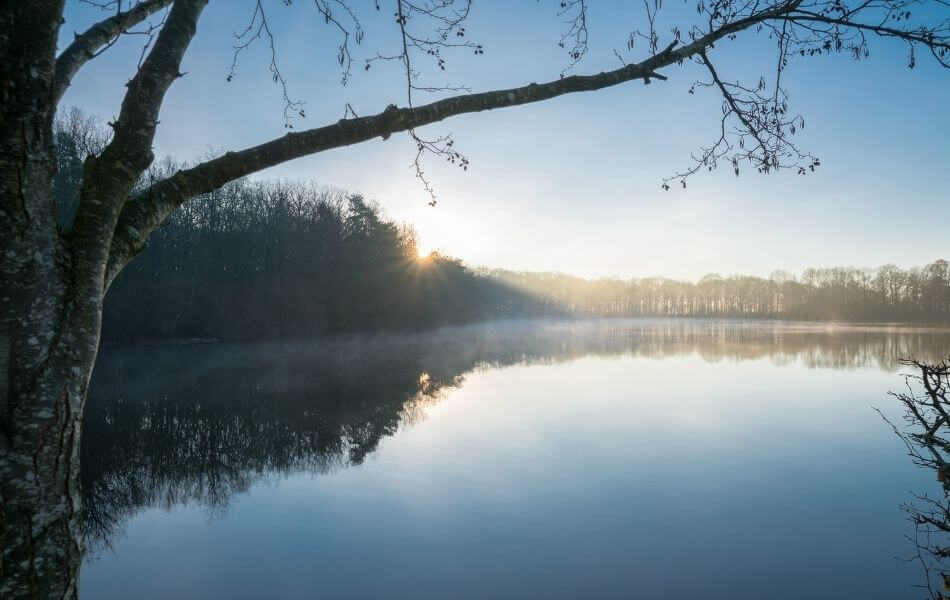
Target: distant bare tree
point(52, 282)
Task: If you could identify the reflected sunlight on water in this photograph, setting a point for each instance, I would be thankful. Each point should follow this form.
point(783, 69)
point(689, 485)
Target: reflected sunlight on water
point(555, 459)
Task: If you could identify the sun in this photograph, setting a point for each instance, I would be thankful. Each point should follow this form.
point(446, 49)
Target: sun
point(423, 252)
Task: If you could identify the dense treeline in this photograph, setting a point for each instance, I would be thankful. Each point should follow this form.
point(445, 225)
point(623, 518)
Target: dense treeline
point(273, 259)
point(840, 293)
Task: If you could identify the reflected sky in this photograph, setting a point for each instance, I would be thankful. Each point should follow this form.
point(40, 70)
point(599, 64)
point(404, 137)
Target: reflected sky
point(610, 459)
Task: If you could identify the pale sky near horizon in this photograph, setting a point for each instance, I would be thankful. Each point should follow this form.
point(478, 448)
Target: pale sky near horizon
point(573, 184)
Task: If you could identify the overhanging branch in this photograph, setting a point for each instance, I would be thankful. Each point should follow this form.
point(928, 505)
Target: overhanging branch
point(731, 101)
point(143, 213)
point(149, 208)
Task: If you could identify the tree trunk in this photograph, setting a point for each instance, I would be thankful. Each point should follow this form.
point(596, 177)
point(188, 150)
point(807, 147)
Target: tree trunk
point(48, 338)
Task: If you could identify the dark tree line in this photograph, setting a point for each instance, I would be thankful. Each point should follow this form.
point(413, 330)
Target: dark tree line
point(277, 259)
point(272, 259)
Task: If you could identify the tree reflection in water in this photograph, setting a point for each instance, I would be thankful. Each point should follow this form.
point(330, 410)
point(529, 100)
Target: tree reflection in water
point(167, 425)
point(927, 437)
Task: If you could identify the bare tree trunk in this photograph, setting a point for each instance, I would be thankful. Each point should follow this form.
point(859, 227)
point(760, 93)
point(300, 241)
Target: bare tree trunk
point(52, 285)
point(48, 340)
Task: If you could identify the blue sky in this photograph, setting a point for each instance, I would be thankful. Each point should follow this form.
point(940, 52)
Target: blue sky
point(573, 184)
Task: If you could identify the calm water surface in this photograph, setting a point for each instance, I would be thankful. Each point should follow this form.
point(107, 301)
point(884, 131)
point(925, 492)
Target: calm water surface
point(609, 459)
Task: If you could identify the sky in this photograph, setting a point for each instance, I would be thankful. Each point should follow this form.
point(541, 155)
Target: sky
point(573, 184)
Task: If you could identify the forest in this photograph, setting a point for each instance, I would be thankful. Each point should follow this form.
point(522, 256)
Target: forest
point(887, 293)
point(267, 259)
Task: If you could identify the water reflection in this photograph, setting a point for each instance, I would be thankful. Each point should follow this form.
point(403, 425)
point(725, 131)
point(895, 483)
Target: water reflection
point(927, 438)
point(168, 425)
point(198, 423)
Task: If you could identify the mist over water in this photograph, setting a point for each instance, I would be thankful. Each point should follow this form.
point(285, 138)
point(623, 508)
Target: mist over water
point(607, 458)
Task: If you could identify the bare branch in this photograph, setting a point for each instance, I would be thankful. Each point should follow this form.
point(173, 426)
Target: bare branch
point(574, 13)
point(343, 55)
point(763, 135)
point(927, 416)
point(764, 118)
point(88, 44)
point(651, 8)
point(150, 207)
point(448, 31)
point(936, 39)
point(256, 29)
point(108, 178)
point(733, 105)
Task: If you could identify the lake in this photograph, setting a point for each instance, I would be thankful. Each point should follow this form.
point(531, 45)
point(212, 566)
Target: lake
point(595, 459)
